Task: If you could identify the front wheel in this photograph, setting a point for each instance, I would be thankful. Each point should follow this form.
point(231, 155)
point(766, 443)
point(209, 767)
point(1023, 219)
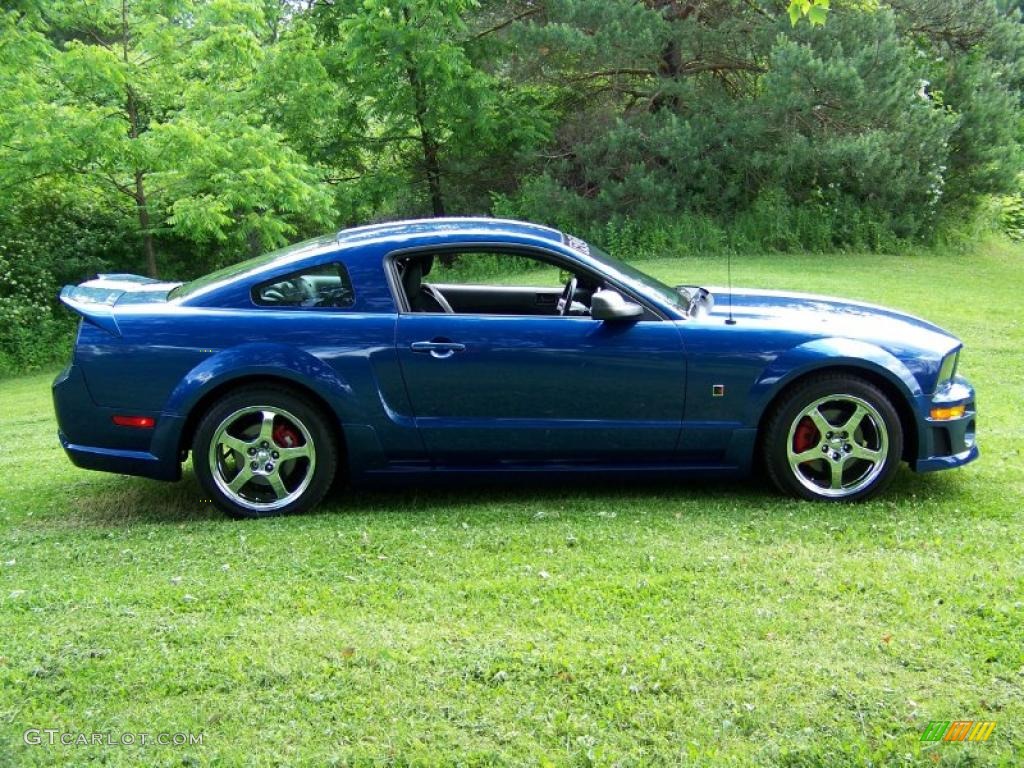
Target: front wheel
point(834, 438)
point(263, 451)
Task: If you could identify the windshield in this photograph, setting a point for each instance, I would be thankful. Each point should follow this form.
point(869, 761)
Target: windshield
point(639, 281)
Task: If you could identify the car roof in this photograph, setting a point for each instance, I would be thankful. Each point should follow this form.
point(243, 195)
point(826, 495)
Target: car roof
point(439, 227)
point(431, 231)
point(412, 232)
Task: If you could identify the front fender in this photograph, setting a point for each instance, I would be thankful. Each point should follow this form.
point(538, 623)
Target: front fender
point(829, 353)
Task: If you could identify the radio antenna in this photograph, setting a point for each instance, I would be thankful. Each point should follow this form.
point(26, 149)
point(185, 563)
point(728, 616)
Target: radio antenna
point(728, 268)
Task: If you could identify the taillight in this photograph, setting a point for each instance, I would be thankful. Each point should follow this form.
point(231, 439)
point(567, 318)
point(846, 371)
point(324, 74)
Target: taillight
point(140, 422)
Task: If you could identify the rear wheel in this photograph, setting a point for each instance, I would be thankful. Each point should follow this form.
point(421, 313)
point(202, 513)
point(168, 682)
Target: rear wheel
point(833, 437)
point(263, 451)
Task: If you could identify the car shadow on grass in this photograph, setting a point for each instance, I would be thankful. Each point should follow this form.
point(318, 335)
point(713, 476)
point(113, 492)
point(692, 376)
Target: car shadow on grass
point(733, 497)
point(121, 501)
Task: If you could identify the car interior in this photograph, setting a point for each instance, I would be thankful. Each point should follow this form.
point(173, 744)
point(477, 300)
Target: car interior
point(324, 286)
point(457, 291)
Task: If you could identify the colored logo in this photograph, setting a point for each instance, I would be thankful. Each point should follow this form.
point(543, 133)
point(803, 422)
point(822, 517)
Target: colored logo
point(958, 730)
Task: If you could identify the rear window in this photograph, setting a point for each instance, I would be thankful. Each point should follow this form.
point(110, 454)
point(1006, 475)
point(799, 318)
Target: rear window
point(225, 273)
point(326, 286)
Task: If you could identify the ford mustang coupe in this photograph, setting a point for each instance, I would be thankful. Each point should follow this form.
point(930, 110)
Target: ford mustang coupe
point(338, 353)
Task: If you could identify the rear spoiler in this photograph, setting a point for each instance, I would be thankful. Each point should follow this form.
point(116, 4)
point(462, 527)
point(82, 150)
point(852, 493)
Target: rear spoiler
point(94, 299)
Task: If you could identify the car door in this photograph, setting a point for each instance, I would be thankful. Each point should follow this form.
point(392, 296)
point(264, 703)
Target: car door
point(488, 388)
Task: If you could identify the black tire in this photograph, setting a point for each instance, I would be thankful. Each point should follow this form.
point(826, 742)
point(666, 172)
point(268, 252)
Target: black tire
point(835, 397)
point(304, 480)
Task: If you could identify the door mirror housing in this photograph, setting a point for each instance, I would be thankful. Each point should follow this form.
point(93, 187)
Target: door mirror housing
point(609, 305)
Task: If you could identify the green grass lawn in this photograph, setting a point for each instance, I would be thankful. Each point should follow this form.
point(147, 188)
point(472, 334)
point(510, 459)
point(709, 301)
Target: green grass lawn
point(566, 624)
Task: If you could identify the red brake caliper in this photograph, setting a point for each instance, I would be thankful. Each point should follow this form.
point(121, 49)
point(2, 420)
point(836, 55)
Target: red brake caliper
point(285, 436)
point(806, 435)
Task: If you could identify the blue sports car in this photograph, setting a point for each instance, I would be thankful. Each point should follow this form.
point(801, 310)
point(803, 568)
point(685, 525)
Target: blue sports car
point(374, 353)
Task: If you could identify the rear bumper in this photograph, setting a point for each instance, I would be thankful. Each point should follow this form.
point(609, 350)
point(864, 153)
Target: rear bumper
point(949, 443)
point(92, 441)
point(122, 462)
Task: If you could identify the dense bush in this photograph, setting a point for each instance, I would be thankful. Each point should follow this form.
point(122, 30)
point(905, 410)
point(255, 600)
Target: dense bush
point(772, 223)
point(33, 334)
point(43, 247)
point(1011, 211)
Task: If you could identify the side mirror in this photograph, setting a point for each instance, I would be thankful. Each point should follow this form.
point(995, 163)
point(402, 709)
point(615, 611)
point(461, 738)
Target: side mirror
point(609, 305)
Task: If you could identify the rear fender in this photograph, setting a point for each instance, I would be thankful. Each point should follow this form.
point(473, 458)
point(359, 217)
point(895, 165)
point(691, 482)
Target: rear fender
point(266, 359)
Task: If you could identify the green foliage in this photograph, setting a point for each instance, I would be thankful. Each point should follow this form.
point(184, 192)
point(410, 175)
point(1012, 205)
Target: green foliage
point(815, 11)
point(864, 126)
point(174, 136)
point(146, 103)
point(1011, 211)
point(434, 127)
point(45, 245)
point(33, 335)
point(772, 223)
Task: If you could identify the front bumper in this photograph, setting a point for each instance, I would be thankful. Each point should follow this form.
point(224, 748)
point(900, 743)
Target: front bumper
point(947, 443)
point(92, 441)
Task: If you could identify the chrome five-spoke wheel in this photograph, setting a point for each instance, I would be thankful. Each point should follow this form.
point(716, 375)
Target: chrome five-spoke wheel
point(265, 451)
point(262, 457)
point(837, 445)
point(833, 437)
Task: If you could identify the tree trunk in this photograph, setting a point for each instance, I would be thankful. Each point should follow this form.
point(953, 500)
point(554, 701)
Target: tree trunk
point(433, 169)
point(140, 190)
point(132, 108)
point(670, 62)
point(431, 153)
point(147, 235)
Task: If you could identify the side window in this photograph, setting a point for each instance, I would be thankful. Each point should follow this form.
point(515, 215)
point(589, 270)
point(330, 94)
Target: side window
point(496, 282)
point(324, 286)
point(496, 268)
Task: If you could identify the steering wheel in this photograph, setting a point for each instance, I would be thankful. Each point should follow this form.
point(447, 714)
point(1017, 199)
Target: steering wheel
point(565, 303)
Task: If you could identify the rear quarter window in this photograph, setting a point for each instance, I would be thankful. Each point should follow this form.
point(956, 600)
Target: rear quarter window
point(327, 286)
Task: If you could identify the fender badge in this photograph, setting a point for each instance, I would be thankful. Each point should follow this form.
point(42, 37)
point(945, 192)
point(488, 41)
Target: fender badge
point(718, 390)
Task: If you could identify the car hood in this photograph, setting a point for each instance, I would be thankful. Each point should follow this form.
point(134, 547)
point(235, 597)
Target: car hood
point(819, 316)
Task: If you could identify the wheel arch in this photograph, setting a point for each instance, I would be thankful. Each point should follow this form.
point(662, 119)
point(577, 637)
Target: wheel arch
point(266, 364)
point(898, 395)
point(213, 394)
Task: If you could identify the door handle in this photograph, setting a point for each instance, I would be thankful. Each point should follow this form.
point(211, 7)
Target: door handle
point(438, 349)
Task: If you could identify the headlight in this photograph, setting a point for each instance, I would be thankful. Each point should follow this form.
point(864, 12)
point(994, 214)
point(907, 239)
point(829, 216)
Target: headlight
point(948, 369)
